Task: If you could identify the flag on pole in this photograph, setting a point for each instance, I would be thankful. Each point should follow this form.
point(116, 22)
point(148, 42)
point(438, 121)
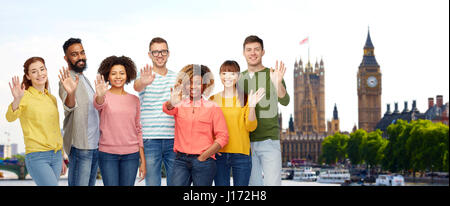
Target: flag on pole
point(304, 41)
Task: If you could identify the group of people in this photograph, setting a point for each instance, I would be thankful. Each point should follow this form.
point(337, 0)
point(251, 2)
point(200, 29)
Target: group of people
point(200, 138)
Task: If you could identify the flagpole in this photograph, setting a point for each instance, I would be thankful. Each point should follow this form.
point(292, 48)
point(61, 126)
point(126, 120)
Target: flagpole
point(308, 48)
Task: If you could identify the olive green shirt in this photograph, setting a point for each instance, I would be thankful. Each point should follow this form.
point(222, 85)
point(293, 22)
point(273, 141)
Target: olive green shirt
point(267, 109)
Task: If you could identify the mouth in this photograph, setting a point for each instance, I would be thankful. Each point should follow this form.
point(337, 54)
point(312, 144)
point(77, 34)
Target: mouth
point(41, 79)
point(228, 82)
point(117, 82)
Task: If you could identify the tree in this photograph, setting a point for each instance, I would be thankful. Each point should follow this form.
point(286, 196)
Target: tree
point(334, 148)
point(373, 149)
point(415, 144)
point(396, 156)
point(355, 141)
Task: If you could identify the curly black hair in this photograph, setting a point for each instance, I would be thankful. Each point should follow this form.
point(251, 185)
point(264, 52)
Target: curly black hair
point(108, 63)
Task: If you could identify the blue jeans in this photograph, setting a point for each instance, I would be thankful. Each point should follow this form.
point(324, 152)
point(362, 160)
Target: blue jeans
point(266, 158)
point(44, 167)
point(187, 169)
point(239, 164)
point(158, 151)
point(118, 170)
point(83, 165)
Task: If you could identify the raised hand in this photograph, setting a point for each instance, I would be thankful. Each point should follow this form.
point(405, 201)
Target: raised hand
point(100, 86)
point(175, 95)
point(254, 98)
point(66, 80)
point(17, 89)
point(147, 75)
point(277, 74)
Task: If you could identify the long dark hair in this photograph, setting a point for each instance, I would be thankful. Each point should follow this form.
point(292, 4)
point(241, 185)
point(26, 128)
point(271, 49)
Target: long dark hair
point(26, 66)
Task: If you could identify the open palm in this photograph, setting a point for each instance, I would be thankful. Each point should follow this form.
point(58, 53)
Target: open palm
point(277, 74)
point(66, 80)
point(175, 95)
point(147, 76)
point(254, 98)
point(100, 86)
point(17, 89)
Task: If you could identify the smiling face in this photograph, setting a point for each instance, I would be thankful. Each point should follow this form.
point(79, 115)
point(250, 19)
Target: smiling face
point(159, 53)
point(253, 53)
point(117, 76)
point(229, 79)
point(196, 87)
point(37, 74)
point(76, 57)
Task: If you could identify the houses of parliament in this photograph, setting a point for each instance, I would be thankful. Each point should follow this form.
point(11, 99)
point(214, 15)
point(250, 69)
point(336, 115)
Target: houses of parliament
point(308, 127)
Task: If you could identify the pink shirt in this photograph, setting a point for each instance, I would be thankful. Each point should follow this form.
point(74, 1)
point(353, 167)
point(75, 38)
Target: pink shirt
point(197, 128)
point(120, 124)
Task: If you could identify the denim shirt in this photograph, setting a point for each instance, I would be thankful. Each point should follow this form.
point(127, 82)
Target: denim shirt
point(93, 130)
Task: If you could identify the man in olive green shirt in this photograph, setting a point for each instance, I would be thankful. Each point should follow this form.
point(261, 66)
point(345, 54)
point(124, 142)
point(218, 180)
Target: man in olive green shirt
point(265, 140)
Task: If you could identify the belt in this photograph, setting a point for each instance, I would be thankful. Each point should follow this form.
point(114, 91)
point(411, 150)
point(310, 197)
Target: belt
point(187, 155)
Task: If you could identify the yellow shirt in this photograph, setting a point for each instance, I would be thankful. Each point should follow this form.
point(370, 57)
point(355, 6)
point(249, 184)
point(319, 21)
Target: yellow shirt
point(39, 117)
point(237, 123)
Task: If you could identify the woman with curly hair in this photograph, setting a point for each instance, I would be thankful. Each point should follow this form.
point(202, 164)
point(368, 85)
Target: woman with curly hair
point(200, 127)
point(121, 145)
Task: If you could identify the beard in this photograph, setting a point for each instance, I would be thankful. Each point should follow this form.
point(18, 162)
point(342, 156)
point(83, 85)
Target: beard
point(75, 66)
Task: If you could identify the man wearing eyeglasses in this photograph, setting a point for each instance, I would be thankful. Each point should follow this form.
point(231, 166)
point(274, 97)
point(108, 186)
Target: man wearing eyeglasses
point(153, 84)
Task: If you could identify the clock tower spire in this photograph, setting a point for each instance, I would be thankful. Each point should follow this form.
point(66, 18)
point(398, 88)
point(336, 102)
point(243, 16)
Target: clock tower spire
point(369, 88)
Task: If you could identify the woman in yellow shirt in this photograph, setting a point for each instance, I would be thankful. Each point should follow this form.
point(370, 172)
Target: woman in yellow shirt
point(38, 113)
point(239, 112)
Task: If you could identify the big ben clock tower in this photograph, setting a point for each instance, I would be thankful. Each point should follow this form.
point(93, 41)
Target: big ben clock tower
point(369, 89)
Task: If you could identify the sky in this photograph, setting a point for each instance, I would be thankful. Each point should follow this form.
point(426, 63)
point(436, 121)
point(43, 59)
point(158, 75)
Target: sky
point(411, 40)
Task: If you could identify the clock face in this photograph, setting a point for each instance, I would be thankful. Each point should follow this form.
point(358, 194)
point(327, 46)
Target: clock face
point(372, 81)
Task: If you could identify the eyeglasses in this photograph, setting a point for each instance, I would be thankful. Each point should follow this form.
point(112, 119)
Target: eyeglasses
point(162, 52)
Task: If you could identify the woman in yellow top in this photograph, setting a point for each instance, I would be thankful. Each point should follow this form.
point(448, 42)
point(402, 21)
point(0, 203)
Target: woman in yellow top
point(38, 113)
point(239, 112)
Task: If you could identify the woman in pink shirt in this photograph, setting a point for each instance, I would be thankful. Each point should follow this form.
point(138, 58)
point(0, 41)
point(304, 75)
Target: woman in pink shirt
point(121, 145)
point(200, 127)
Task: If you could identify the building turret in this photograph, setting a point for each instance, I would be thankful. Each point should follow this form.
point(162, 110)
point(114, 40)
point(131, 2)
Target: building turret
point(405, 110)
point(388, 110)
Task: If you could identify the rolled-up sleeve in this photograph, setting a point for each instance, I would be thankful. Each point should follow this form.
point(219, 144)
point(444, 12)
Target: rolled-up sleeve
point(99, 107)
point(13, 115)
point(285, 100)
point(172, 112)
point(220, 127)
point(63, 96)
point(249, 125)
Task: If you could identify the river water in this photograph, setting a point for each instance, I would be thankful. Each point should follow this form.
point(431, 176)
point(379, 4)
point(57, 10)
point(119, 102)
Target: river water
point(10, 179)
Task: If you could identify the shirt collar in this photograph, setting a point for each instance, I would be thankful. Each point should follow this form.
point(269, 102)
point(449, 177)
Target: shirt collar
point(33, 90)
